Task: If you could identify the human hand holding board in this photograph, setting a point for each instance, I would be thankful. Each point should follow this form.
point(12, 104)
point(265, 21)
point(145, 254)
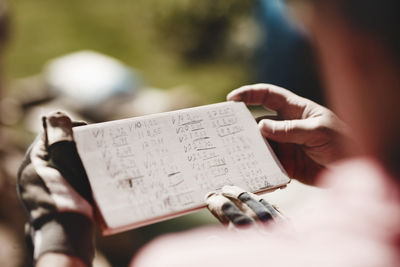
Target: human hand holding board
point(146, 169)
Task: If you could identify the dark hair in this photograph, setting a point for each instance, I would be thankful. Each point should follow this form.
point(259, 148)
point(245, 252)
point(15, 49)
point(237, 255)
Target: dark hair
point(379, 18)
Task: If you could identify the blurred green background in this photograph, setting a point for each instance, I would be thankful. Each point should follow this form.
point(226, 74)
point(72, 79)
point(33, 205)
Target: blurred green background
point(171, 42)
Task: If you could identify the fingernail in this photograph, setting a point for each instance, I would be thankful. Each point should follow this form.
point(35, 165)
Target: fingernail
point(232, 191)
point(208, 195)
point(59, 128)
point(265, 128)
point(215, 201)
point(233, 96)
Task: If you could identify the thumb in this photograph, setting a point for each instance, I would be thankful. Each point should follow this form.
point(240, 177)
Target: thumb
point(287, 131)
point(63, 154)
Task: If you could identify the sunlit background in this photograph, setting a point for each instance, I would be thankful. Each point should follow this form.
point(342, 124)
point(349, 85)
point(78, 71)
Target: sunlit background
point(147, 56)
point(171, 43)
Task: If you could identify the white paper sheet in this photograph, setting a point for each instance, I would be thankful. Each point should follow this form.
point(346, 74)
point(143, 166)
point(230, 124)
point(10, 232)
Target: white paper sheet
point(150, 167)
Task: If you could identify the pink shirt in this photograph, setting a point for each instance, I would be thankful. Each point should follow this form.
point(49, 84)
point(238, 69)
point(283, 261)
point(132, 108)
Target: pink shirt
point(355, 222)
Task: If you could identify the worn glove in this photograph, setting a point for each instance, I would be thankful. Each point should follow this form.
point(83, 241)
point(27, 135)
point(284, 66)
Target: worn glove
point(235, 208)
point(53, 187)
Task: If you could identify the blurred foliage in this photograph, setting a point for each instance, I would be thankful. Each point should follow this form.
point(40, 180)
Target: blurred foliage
point(199, 30)
point(138, 32)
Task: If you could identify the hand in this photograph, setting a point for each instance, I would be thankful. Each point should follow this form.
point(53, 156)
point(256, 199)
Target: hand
point(235, 207)
point(54, 189)
point(309, 136)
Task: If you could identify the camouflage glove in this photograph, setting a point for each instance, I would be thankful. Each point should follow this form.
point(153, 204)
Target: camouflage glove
point(53, 187)
point(235, 207)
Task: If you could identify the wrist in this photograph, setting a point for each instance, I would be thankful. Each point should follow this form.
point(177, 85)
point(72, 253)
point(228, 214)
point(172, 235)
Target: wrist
point(67, 233)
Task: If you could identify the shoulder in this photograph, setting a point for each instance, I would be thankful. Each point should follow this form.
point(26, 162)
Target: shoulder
point(367, 175)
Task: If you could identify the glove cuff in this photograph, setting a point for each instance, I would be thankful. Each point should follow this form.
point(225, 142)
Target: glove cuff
point(66, 233)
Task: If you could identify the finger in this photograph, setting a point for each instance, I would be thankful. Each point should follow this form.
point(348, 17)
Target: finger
point(267, 117)
point(57, 127)
point(226, 211)
point(263, 214)
point(271, 208)
point(238, 194)
point(63, 155)
point(270, 96)
point(39, 180)
point(288, 131)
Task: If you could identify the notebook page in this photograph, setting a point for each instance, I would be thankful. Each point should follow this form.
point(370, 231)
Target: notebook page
point(148, 167)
